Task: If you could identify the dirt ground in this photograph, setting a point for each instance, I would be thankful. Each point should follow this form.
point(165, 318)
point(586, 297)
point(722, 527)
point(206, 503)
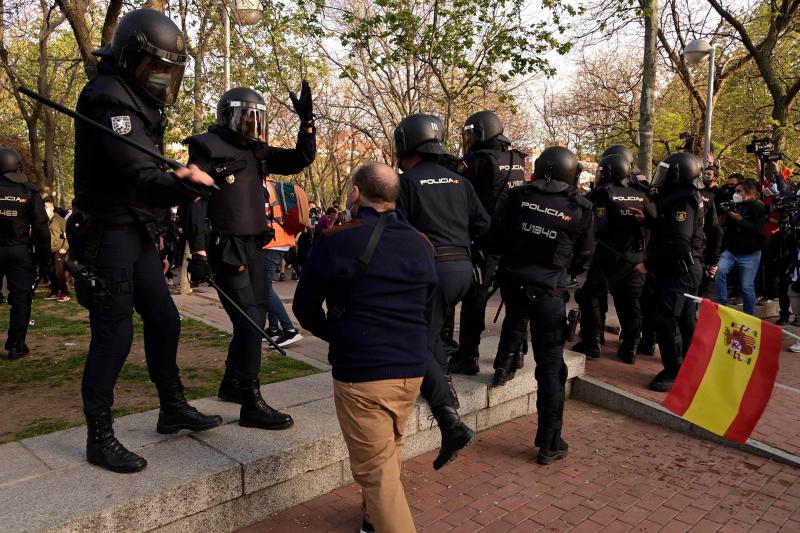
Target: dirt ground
point(40, 393)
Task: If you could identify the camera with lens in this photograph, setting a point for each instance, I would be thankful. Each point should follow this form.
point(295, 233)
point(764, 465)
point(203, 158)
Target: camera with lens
point(729, 207)
point(764, 149)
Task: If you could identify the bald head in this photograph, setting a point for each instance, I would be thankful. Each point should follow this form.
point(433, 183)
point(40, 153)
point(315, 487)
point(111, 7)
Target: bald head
point(377, 183)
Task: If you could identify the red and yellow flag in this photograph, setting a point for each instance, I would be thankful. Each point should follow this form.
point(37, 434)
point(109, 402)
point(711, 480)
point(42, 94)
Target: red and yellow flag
point(727, 376)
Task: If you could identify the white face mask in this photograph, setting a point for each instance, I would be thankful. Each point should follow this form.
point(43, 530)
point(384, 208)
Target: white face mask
point(737, 198)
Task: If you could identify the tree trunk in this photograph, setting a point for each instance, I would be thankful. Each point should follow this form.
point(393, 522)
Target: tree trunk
point(780, 118)
point(647, 103)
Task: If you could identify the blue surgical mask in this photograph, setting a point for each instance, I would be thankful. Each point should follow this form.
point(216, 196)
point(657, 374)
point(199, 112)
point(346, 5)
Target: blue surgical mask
point(159, 81)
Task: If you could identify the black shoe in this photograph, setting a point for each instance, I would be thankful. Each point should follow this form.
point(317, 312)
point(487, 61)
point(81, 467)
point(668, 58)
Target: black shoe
point(17, 350)
point(464, 362)
point(176, 414)
point(627, 353)
point(551, 448)
point(255, 413)
point(662, 382)
point(592, 353)
point(501, 377)
point(646, 349)
point(587, 348)
point(782, 321)
point(366, 527)
point(580, 346)
point(104, 450)
point(287, 337)
point(229, 390)
point(456, 435)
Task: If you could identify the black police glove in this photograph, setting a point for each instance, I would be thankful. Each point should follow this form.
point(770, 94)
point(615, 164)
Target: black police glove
point(303, 105)
point(199, 269)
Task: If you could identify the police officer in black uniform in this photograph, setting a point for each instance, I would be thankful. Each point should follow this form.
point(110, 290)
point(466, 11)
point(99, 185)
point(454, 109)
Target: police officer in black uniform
point(491, 166)
point(620, 212)
point(23, 222)
point(594, 300)
point(675, 259)
point(235, 153)
point(443, 206)
point(120, 196)
point(541, 230)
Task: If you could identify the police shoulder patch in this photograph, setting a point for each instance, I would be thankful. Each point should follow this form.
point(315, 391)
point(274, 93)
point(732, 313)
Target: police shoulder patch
point(121, 124)
point(600, 212)
point(680, 216)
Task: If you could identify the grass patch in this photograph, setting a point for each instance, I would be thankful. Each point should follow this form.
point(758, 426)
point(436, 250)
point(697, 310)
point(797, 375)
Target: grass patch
point(15, 375)
point(40, 426)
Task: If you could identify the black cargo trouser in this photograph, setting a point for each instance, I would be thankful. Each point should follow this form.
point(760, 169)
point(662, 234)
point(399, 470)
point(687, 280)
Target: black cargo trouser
point(16, 264)
point(127, 259)
point(547, 316)
point(455, 278)
point(473, 308)
point(675, 314)
point(248, 288)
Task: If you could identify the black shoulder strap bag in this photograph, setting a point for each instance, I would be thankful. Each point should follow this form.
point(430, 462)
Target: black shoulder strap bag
point(338, 311)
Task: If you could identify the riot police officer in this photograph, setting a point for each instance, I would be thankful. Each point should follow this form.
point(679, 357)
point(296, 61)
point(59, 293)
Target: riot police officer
point(23, 222)
point(120, 196)
point(235, 153)
point(674, 258)
point(541, 230)
point(491, 166)
point(620, 211)
point(443, 206)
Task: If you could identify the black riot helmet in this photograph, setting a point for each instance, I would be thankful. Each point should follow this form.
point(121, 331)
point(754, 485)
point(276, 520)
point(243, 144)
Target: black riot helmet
point(11, 165)
point(680, 169)
point(421, 134)
point(481, 127)
point(614, 168)
point(243, 111)
point(619, 149)
point(557, 164)
point(150, 51)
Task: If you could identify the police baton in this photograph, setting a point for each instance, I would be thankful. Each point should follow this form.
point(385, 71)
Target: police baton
point(261, 331)
point(171, 163)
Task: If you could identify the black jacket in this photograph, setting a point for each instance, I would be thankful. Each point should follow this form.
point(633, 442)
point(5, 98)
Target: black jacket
point(747, 235)
point(677, 237)
point(114, 182)
point(23, 219)
point(441, 204)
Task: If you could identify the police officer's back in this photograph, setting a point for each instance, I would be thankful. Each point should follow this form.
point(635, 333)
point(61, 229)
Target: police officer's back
point(675, 259)
point(120, 196)
point(541, 230)
point(23, 224)
point(492, 167)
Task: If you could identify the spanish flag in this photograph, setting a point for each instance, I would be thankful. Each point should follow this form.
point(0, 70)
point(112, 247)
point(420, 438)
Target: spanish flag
point(727, 376)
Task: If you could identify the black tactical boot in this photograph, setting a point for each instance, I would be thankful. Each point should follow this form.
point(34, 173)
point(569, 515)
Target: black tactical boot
point(648, 349)
point(229, 390)
point(501, 377)
point(104, 450)
point(551, 446)
point(589, 347)
point(456, 435)
point(176, 414)
point(627, 352)
point(255, 413)
point(464, 362)
point(17, 350)
point(663, 381)
point(453, 392)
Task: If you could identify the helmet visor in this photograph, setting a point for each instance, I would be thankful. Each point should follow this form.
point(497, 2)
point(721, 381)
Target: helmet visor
point(468, 138)
point(660, 176)
point(161, 76)
point(248, 119)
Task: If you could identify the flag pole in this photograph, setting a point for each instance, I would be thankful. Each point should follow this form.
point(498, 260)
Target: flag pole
point(699, 300)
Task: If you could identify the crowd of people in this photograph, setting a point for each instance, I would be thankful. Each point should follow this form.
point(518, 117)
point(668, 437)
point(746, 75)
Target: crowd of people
point(380, 279)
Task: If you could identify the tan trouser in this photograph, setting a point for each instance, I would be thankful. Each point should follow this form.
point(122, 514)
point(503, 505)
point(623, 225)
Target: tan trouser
point(373, 416)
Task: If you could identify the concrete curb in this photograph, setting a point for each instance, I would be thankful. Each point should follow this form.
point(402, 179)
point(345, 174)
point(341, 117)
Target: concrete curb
point(230, 476)
point(601, 394)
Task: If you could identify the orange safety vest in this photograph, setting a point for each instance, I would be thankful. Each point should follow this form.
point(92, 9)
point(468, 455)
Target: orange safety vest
point(275, 214)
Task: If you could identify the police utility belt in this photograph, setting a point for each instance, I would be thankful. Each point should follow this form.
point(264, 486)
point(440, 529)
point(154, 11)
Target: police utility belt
point(452, 253)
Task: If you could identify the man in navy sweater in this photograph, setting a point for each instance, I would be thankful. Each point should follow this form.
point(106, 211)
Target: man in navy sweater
point(377, 333)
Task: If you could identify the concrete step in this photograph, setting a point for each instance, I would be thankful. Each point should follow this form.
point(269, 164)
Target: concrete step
point(230, 476)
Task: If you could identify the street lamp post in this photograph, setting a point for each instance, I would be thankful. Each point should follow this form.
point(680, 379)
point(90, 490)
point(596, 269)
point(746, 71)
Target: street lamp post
point(694, 53)
point(245, 13)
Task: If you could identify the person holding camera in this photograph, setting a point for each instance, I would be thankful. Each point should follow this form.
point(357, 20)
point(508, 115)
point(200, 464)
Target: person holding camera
point(744, 239)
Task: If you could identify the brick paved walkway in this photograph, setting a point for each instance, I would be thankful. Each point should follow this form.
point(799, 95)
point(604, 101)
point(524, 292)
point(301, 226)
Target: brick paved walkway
point(621, 475)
